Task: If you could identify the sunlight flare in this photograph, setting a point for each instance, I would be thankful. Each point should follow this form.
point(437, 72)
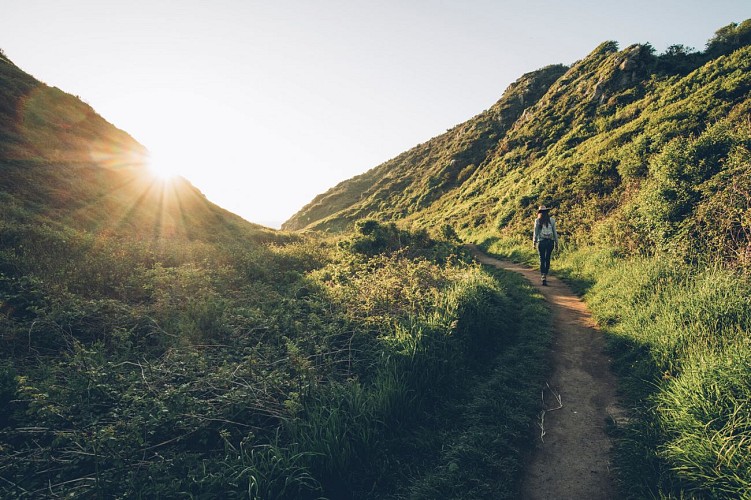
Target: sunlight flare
point(164, 167)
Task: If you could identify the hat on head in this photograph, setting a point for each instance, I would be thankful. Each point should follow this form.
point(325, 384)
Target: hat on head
point(542, 208)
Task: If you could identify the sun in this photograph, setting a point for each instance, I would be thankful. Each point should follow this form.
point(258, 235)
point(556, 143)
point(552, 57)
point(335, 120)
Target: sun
point(165, 167)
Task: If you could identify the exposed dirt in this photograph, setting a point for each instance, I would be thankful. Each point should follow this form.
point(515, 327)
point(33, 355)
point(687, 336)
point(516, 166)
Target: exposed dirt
point(572, 459)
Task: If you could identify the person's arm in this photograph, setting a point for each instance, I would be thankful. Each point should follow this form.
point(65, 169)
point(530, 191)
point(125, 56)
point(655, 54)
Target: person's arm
point(555, 232)
point(535, 233)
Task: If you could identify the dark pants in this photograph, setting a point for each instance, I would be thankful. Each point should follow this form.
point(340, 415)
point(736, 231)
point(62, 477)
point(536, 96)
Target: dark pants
point(545, 247)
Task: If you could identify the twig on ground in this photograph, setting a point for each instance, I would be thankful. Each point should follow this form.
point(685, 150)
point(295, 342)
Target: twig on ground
point(541, 422)
point(557, 398)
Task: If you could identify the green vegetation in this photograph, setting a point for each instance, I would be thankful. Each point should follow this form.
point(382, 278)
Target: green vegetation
point(64, 166)
point(277, 371)
point(586, 139)
point(156, 346)
point(422, 176)
point(481, 443)
point(679, 337)
point(646, 159)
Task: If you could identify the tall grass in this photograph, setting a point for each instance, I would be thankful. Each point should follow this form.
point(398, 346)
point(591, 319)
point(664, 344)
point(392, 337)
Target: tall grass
point(680, 338)
point(288, 370)
point(362, 432)
point(484, 441)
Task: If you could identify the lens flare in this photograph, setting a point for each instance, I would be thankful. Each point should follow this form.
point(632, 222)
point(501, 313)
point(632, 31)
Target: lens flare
point(163, 166)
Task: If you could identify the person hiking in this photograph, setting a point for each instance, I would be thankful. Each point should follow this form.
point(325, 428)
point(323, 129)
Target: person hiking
point(545, 239)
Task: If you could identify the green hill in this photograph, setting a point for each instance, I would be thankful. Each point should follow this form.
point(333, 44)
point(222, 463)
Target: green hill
point(592, 140)
point(646, 160)
point(62, 163)
point(416, 179)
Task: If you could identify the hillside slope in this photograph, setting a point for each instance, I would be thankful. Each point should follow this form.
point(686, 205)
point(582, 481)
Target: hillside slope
point(415, 179)
point(594, 140)
point(63, 164)
point(646, 160)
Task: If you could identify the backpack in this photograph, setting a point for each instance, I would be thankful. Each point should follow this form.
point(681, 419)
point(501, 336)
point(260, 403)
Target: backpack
point(546, 231)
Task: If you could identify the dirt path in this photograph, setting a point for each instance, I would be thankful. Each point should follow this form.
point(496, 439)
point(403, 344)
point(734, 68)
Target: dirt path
point(571, 460)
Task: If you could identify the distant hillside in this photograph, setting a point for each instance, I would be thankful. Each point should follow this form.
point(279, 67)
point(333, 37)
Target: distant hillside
point(414, 180)
point(600, 141)
point(63, 164)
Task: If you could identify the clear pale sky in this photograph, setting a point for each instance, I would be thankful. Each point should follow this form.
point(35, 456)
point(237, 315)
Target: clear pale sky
point(264, 104)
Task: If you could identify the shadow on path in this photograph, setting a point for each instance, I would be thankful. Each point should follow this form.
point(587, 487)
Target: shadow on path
point(571, 459)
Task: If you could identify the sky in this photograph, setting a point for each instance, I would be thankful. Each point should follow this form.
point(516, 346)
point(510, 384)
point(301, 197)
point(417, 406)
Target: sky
point(262, 105)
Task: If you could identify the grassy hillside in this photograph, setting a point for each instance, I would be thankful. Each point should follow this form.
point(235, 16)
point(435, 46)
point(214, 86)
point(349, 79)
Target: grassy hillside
point(646, 160)
point(157, 346)
point(587, 140)
point(417, 178)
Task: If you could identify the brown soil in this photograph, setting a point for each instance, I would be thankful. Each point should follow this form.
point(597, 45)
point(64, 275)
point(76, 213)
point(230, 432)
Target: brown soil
point(571, 457)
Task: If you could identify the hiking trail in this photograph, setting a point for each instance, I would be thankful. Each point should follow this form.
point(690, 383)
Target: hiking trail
point(571, 458)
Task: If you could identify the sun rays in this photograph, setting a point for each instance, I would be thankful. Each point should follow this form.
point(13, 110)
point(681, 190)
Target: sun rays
point(135, 201)
point(164, 167)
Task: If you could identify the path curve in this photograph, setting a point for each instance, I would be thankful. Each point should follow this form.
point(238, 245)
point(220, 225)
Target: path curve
point(572, 459)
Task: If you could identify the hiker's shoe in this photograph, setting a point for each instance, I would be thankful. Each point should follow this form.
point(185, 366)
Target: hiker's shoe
point(544, 282)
